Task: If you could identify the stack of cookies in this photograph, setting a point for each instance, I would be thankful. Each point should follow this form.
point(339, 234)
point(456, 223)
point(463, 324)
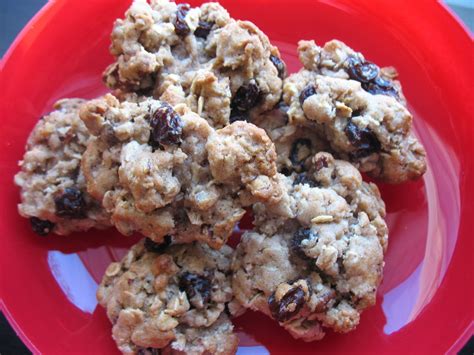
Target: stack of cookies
point(203, 125)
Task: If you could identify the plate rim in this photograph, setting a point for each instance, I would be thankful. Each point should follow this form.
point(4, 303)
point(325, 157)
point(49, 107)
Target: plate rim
point(51, 6)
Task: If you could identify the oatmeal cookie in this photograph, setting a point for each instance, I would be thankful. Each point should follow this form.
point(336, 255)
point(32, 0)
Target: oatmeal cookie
point(53, 189)
point(338, 60)
point(161, 170)
point(221, 68)
point(374, 132)
point(170, 297)
point(315, 259)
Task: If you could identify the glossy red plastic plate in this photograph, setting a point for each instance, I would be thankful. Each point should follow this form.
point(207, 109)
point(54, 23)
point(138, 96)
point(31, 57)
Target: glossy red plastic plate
point(425, 302)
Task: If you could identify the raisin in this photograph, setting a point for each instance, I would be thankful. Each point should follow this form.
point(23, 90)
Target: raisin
point(237, 115)
point(203, 29)
point(353, 61)
point(40, 226)
point(364, 140)
point(166, 127)
point(384, 83)
point(304, 178)
point(356, 113)
point(289, 305)
point(340, 264)
point(154, 247)
point(246, 97)
point(298, 237)
point(308, 91)
point(321, 162)
point(181, 28)
point(286, 171)
point(279, 65)
point(300, 151)
point(368, 74)
point(380, 86)
point(71, 204)
point(195, 285)
point(363, 72)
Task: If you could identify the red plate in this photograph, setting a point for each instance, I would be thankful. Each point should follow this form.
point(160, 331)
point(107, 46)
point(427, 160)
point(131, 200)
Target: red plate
point(425, 302)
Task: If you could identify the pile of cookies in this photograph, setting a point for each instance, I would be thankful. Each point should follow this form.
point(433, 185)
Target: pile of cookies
point(202, 125)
